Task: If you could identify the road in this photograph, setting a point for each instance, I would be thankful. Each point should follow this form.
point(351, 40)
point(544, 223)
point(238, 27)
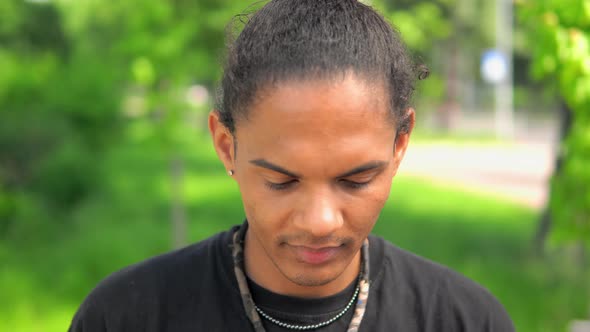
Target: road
point(518, 171)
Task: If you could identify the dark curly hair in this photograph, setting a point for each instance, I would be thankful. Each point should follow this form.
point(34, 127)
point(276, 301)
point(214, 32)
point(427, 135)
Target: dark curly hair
point(314, 39)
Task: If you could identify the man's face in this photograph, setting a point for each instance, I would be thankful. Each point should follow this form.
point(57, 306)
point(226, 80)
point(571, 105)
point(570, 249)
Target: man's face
point(314, 163)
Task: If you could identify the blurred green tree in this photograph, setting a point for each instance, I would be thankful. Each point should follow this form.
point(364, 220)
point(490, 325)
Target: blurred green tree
point(560, 44)
point(58, 114)
point(77, 77)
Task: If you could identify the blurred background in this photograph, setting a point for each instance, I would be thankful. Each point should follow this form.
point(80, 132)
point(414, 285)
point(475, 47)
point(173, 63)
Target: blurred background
point(105, 158)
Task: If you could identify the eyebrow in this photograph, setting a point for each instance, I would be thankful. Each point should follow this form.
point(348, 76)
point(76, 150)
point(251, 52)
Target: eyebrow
point(360, 169)
point(267, 164)
point(363, 168)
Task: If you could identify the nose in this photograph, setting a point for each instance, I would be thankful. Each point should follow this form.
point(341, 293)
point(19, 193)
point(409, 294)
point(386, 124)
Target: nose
point(320, 214)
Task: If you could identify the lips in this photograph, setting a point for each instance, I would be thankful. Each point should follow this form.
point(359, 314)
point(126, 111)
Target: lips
point(316, 256)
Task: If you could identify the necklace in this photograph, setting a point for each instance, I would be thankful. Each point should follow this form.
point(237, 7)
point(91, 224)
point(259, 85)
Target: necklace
point(253, 313)
point(312, 326)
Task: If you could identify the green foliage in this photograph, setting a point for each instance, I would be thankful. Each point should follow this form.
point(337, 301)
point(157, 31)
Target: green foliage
point(421, 24)
point(58, 116)
point(561, 49)
point(68, 71)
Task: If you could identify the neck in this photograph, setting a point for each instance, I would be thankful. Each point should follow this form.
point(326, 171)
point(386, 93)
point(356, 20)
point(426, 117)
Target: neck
point(261, 269)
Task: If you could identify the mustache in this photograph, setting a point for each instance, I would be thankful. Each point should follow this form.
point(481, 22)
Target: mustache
point(312, 241)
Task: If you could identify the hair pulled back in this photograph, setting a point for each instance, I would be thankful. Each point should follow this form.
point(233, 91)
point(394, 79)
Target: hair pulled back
point(314, 39)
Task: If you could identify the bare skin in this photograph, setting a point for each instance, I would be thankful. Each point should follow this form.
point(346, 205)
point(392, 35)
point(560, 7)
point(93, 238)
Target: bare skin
point(314, 163)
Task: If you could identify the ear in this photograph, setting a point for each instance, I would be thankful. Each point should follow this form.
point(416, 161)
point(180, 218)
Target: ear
point(223, 140)
point(403, 138)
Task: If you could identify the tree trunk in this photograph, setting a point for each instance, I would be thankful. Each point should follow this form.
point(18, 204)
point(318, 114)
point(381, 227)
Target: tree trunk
point(544, 225)
point(178, 215)
point(446, 113)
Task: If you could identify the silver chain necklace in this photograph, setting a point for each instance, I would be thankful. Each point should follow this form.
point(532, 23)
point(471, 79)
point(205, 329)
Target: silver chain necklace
point(312, 326)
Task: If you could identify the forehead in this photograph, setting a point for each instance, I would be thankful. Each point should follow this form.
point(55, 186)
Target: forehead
point(334, 118)
point(322, 102)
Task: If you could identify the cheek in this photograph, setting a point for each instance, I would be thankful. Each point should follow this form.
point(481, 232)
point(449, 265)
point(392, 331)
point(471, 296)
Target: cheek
point(263, 208)
point(364, 210)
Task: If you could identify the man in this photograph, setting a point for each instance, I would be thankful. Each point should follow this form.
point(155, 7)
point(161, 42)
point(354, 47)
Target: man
point(313, 122)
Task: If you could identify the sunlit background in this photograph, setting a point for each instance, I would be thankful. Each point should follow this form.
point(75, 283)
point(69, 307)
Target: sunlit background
point(105, 158)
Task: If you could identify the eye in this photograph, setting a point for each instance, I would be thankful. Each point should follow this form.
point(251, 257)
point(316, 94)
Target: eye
point(354, 184)
point(280, 186)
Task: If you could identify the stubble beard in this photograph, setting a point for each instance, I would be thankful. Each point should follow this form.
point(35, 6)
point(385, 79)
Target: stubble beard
point(307, 281)
point(306, 278)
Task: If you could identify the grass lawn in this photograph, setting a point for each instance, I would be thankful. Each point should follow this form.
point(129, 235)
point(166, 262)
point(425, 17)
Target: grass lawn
point(45, 275)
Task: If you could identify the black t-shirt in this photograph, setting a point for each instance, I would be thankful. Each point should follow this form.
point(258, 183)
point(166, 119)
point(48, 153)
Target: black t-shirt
point(195, 289)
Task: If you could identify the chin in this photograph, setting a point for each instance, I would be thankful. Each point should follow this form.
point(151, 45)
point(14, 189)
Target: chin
point(313, 276)
point(311, 280)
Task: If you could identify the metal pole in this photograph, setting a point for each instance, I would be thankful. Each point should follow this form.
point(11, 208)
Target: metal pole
point(504, 104)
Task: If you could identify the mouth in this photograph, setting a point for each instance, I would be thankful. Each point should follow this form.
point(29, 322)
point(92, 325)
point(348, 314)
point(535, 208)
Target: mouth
point(316, 255)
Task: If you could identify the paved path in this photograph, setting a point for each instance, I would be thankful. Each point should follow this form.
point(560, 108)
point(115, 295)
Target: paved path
point(518, 171)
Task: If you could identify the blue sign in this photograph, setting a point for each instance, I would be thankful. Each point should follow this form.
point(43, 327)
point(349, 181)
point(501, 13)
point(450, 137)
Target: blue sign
point(494, 66)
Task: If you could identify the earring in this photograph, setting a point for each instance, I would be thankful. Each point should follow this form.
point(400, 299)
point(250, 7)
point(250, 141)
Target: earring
point(230, 172)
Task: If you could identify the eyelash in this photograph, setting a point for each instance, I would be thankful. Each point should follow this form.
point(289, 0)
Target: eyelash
point(280, 186)
point(286, 185)
point(355, 185)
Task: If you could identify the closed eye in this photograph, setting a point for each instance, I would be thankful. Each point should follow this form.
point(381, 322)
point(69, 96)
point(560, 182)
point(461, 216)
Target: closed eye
point(289, 184)
point(281, 186)
point(354, 184)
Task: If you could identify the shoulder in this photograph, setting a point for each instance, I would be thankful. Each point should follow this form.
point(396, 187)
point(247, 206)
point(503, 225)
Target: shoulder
point(441, 291)
point(161, 271)
point(144, 287)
